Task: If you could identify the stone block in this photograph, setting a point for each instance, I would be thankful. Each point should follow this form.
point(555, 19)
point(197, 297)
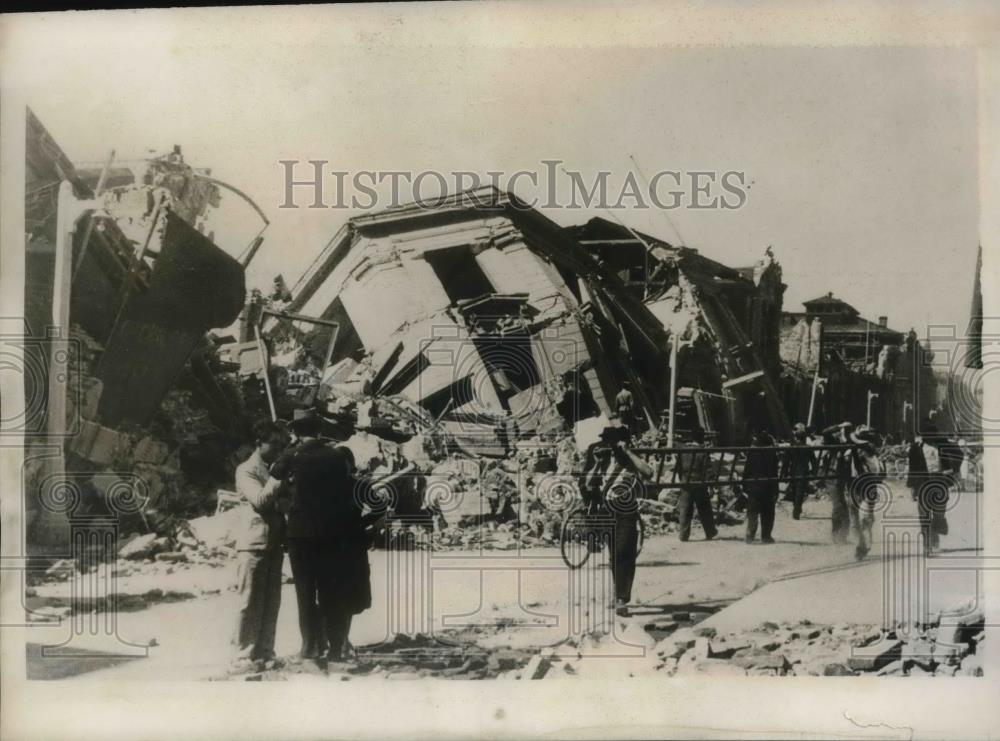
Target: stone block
point(837, 670)
point(875, 656)
point(756, 658)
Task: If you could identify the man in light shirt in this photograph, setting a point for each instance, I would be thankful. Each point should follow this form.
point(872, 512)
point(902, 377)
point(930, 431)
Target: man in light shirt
point(260, 545)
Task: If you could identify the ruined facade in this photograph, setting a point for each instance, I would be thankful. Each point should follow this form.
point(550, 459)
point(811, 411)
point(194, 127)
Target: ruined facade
point(726, 318)
point(121, 286)
point(480, 310)
point(497, 321)
point(854, 357)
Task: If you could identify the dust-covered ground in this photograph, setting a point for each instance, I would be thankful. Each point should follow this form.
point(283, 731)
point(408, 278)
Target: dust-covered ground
point(800, 606)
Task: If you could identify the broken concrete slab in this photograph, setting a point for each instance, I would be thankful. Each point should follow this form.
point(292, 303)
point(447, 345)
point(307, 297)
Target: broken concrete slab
point(876, 655)
point(536, 668)
point(756, 658)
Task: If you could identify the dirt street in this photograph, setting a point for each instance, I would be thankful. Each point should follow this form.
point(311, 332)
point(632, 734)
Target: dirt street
point(529, 599)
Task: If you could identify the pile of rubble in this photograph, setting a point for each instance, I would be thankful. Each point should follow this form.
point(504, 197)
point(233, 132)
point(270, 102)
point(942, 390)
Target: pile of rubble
point(192, 560)
point(634, 650)
point(401, 657)
point(935, 649)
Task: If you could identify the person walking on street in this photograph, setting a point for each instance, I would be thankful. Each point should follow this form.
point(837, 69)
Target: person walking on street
point(760, 485)
point(259, 546)
point(614, 477)
point(695, 467)
point(868, 473)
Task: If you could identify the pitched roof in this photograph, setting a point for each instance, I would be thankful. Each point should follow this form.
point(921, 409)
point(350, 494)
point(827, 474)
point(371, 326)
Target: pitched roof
point(828, 299)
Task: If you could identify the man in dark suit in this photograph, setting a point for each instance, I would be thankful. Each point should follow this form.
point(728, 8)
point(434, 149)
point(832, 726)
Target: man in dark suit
point(327, 543)
point(760, 484)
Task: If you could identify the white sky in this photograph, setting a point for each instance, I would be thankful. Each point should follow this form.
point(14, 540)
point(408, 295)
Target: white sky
point(864, 161)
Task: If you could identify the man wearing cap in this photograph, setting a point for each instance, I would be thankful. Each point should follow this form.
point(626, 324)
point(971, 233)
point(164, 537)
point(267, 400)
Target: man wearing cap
point(613, 476)
point(868, 472)
point(259, 544)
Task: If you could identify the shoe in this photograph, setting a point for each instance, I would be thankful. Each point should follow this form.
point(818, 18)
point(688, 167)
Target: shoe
point(860, 552)
point(796, 515)
point(768, 541)
point(621, 608)
point(748, 539)
point(684, 538)
point(709, 537)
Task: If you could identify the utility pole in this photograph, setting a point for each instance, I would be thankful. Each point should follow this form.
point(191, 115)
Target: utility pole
point(868, 415)
point(812, 397)
point(674, 345)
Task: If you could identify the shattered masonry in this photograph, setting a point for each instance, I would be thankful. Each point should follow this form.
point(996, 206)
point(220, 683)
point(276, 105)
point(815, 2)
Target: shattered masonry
point(482, 310)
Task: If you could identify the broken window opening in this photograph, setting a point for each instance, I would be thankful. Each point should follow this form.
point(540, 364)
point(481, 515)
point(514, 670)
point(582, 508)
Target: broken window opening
point(459, 272)
point(510, 362)
point(348, 343)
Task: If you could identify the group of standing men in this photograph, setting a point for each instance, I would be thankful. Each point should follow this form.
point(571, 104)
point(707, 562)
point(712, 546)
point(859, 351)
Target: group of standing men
point(300, 495)
point(614, 477)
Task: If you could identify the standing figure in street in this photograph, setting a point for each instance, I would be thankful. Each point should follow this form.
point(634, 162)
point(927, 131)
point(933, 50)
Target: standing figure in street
point(840, 516)
point(952, 455)
point(695, 466)
point(259, 544)
point(324, 534)
point(348, 591)
point(928, 485)
point(799, 465)
point(916, 468)
point(760, 485)
point(868, 473)
point(614, 476)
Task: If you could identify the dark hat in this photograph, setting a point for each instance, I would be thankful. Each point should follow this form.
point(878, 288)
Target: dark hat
point(613, 434)
point(863, 434)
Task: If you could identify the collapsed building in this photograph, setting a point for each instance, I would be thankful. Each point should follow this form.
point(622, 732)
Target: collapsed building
point(727, 321)
point(487, 320)
point(121, 287)
point(862, 371)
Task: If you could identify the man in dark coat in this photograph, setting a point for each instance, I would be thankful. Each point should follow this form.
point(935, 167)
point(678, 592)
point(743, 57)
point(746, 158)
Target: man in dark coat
point(840, 512)
point(929, 482)
point(760, 484)
point(799, 465)
point(327, 544)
